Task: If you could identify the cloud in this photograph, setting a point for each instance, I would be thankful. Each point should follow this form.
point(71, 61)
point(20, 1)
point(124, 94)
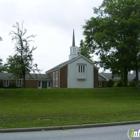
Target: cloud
point(51, 20)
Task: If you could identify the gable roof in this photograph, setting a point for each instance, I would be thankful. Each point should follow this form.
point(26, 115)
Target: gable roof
point(109, 76)
point(9, 76)
point(70, 61)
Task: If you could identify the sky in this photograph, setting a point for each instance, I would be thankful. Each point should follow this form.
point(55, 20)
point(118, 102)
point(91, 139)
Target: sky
point(52, 21)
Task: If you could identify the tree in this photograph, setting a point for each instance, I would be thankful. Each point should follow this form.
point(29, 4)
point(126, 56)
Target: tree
point(114, 35)
point(84, 50)
point(21, 64)
point(1, 66)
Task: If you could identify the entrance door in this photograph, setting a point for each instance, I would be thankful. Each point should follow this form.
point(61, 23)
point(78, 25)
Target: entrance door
point(44, 84)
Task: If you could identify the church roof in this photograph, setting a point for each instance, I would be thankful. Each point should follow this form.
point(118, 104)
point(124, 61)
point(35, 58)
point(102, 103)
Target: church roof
point(9, 76)
point(70, 61)
point(109, 76)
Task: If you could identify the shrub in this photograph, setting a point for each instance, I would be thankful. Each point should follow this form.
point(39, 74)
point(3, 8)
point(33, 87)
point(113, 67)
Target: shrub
point(12, 85)
point(110, 83)
point(1, 85)
point(120, 83)
point(132, 83)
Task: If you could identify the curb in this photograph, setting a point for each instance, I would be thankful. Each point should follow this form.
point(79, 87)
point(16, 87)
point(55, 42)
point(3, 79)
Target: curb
point(67, 127)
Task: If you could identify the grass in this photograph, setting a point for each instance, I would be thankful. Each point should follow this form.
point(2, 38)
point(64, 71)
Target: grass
point(52, 107)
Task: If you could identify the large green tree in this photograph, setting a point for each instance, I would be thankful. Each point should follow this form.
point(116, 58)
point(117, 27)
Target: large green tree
point(84, 50)
point(21, 63)
point(1, 66)
point(114, 35)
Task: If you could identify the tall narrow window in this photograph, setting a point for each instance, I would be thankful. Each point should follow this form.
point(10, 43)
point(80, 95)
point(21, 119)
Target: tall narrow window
point(39, 84)
point(56, 78)
point(83, 68)
point(6, 83)
point(53, 79)
point(79, 67)
point(49, 84)
point(18, 83)
point(81, 73)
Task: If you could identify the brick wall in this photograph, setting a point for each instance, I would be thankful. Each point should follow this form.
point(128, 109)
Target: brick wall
point(32, 83)
point(29, 84)
point(104, 83)
point(63, 77)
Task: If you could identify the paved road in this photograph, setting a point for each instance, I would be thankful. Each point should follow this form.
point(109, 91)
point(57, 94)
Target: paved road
point(98, 133)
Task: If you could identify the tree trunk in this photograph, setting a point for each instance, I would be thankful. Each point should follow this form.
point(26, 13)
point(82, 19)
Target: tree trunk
point(137, 77)
point(24, 79)
point(125, 78)
point(24, 83)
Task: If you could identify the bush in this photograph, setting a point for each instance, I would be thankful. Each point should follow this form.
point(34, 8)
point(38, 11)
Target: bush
point(12, 85)
point(1, 85)
point(132, 83)
point(110, 83)
point(120, 83)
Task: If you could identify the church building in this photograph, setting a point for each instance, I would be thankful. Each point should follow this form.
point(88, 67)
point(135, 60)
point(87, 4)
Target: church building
point(77, 72)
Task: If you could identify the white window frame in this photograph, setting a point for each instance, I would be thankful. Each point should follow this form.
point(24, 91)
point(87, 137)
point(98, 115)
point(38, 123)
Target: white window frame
point(49, 84)
point(56, 79)
point(39, 84)
point(19, 83)
point(53, 79)
point(81, 71)
point(6, 83)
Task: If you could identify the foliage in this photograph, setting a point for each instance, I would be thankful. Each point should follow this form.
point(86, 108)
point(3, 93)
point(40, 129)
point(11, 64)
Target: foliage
point(132, 83)
point(84, 50)
point(1, 84)
point(110, 83)
point(114, 35)
point(120, 83)
point(21, 63)
point(0, 64)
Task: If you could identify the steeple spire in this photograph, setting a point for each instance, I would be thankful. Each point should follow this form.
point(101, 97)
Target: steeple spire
point(73, 48)
point(73, 39)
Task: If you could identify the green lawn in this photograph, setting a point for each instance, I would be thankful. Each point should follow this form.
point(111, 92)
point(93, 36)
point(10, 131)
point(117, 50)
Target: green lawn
point(48, 107)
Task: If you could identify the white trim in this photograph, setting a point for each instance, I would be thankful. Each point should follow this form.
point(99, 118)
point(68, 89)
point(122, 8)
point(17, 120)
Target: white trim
point(56, 79)
point(39, 84)
point(6, 83)
point(103, 76)
point(81, 71)
point(70, 61)
point(19, 83)
point(53, 79)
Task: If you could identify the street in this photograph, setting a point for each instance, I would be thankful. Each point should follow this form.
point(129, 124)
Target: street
point(96, 133)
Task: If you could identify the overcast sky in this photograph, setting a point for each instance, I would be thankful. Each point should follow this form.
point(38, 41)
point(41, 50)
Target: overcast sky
point(52, 21)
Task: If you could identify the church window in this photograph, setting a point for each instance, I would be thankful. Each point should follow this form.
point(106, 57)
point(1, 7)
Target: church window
point(81, 72)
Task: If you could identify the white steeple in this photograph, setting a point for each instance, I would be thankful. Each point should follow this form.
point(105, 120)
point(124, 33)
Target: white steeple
point(73, 49)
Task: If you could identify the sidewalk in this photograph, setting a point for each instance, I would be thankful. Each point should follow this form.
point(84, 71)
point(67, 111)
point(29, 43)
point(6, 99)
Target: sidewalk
point(67, 127)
